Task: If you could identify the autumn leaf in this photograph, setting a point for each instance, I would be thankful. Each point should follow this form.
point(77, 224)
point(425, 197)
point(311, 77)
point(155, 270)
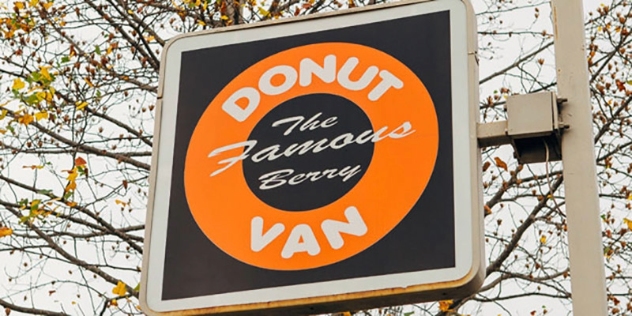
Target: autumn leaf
point(71, 186)
point(119, 289)
point(113, 302)
point(444, 306)
point(119, 202)
point(263, 12)
point(17, 84)
point(41, 115)
point(543, 239)
point(80, 161)
point(5, 231)
point(81, 105)
point(486, 165)
point(500, 163)
point(88, 81)
point(628, 222)
point(25, 119)
point(45, 74)
point(33, 167)
point(488, 210)
point(72, 174)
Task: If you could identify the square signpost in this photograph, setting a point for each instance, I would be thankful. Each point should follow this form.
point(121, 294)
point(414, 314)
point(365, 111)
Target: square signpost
point(317, 164)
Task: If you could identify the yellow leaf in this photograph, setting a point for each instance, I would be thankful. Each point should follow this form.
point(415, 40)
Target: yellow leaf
point(72, 174)
point(71, 204)
point(47, 5)
point(628, 222)
point(41, 115)
point(19, 5)
point(5, 231)
point(113, 302)
point(543, 239)
point(224, 17)
point(444, 306)
point(44, 72)
point(119, 289)
point(119, 202)
point(81, 105)
point(263, 11)
point(33, 2)
point(150, 38)
point(17, 84)
point(40, 96)
point(346, 313)
point(89, 82)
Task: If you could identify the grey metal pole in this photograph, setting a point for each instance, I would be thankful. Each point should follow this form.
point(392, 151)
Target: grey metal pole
point(578, 156)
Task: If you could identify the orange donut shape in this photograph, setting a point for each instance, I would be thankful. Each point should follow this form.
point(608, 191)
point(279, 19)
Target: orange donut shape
point(224, 207)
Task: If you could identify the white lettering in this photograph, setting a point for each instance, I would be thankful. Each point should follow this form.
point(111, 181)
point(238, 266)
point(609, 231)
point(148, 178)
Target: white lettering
point(249, 144)
point(277, 178)
point(326, 73)
point(346, 138)
point(406, 130)
point(274, 179)
point(267, 152)
point(258, 239)
point(348, 172)
point(388, 81)
point(265, 82)
point(363, 82)
point(298, 120)
point(355, 226)
point(231, 107)
point(301, 239)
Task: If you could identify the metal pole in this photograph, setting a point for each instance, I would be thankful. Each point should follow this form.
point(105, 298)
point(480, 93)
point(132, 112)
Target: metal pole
point(578, 156)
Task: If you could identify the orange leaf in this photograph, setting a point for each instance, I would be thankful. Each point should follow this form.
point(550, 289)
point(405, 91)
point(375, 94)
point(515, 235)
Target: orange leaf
point(5, 231)
point(444, 306)
point(486, 165)
point(80, 161)
point(71, 186)
point(500, 163)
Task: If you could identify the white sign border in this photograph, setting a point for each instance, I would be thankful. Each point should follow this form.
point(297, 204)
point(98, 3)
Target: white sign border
point(466, 199)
